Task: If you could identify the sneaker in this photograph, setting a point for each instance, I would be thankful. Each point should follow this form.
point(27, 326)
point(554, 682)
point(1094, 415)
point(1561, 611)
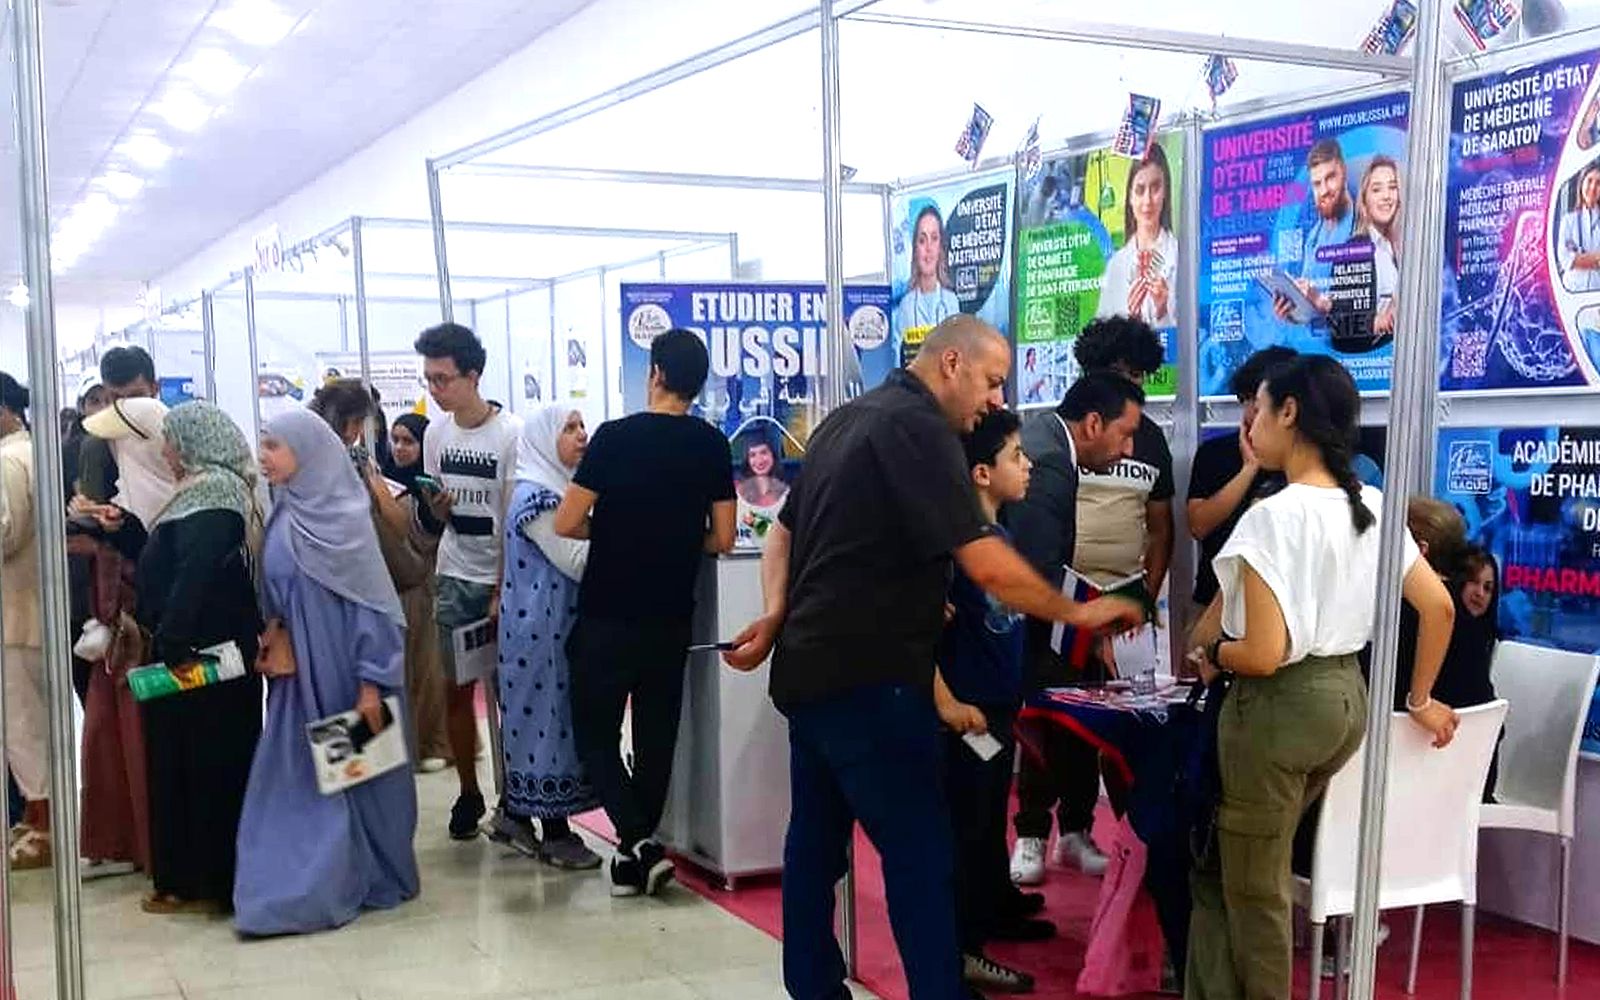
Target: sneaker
point(1027, 861)
point(432, 765)
point(465, 816)
point(1022, 929)
point(627, 878)
point(517, 834)
point(656, 868)
point(1022, 904)
point(569, 853)
point(982, 971)
point(89, 870)
point(1079, 850)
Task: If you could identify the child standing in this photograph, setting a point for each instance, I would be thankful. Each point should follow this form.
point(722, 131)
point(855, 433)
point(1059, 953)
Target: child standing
point(978, 690)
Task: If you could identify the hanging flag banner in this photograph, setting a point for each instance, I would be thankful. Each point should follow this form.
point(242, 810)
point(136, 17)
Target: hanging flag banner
point(1028, 158)
point(951, 249)
point(1220, 73)
point(970, 146)
point(1098, 238)
point(1299, 243)
point(1394, 29)
point(1531, 496)
point(1521, 285)
point(768, 350)
point(1484, 20)
point(1138, 126)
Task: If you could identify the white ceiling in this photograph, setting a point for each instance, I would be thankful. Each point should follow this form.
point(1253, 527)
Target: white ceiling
point(350, 71)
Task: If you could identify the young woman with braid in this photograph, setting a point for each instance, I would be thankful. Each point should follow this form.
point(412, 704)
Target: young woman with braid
point(1295, 606)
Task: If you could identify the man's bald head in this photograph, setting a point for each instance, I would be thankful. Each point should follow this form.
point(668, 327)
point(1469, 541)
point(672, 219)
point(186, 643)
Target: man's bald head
point(964, 334)
point(964, 363)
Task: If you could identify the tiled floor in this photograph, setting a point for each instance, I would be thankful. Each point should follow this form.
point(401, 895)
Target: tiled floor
point(489, 924)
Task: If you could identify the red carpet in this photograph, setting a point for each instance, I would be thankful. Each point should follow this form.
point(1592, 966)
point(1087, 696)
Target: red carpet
point(1514, 961)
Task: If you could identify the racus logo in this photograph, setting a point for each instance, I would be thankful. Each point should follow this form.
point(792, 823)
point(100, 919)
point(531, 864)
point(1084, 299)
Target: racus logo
point(1469, 467)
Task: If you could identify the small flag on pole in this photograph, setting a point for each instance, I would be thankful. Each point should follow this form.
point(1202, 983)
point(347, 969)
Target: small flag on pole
point(1393, 30)
point(970, 146)
point(1485, 19)
point(1220, 72)
point(1028, 155)
point(1137, 128)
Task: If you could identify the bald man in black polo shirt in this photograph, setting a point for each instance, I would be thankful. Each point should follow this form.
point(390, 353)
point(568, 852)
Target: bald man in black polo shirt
point(855, 576)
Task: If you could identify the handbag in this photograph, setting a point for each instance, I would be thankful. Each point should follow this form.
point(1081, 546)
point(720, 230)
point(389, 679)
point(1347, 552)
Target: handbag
point(275, 657)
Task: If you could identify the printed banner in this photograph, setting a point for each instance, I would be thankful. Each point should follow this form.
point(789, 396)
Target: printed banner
point(1521, 283)
point(952, 253)
point(768, 350)
point(1098, 238)
point(397, 375)
point(1531, 496)
point(1299, 235)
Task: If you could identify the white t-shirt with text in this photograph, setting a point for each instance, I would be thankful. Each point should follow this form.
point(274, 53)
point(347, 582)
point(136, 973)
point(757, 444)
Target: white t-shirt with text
point(477, 468)
point(1303, 545)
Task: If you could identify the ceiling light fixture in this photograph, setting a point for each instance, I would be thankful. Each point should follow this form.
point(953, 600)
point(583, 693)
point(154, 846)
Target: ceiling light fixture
point(254, 22)
point(121, 185)
point(183, 109)
point(145, 150)
point(214, 71)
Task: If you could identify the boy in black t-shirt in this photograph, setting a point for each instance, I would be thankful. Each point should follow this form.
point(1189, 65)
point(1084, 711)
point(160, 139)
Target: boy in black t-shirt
point(653, 494)
point(978, 690)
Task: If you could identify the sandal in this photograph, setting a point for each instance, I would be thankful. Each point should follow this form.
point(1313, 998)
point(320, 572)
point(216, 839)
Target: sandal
point(163, 904)
point(30, 851)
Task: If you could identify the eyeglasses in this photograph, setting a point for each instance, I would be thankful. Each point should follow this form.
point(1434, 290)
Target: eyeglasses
point(438, 380)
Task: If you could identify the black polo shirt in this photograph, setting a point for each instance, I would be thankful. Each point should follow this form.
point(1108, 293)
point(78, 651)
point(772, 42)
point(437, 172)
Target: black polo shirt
point(882, 501)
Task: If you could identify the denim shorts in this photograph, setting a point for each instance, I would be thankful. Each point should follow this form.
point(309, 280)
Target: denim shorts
point(461, 602)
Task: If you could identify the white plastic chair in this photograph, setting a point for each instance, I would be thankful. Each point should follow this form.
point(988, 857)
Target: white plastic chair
point(1430, 835)
point(1550, 691)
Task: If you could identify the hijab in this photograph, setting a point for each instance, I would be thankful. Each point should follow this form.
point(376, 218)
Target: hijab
point(219, 472)
point(417, 425)
point(538, 457)
point(329, 514)
point(145, 483)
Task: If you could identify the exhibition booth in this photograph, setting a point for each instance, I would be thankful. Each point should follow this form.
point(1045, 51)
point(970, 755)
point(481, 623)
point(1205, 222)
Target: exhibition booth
point(812, 167)
point(1036, 239)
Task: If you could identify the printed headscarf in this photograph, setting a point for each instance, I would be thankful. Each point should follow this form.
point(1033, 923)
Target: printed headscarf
point(219, 471)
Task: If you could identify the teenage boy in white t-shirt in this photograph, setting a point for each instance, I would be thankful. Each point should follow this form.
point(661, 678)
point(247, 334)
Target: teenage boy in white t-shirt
point(471, 452)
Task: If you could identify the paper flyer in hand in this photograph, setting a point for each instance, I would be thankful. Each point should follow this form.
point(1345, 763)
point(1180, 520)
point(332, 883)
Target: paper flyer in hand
point(346, 752)
point(477, 653)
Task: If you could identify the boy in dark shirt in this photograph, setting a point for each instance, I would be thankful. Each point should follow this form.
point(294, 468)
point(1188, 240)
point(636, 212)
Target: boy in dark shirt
point(978, 690)
point(654, 495)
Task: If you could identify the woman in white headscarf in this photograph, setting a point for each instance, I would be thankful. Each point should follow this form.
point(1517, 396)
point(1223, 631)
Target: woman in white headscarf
point(538, 604)
point(115, 832)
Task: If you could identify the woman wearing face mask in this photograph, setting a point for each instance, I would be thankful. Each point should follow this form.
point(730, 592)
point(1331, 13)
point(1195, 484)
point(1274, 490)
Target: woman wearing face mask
point(928, 298)
point(309, 861)
point(195, 591)
point(538, 598)
point(1139, 277)
point(1297, 579)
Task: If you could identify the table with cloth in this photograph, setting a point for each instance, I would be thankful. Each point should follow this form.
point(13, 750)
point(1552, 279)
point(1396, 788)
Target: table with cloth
point(1150, 754)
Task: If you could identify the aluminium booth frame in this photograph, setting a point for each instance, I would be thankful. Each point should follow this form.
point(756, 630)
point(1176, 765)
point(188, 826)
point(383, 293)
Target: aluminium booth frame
point(1412, 392)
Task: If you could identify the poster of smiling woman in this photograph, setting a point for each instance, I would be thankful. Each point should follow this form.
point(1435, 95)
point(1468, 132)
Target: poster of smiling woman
point(951, 248)
point(1300, 223)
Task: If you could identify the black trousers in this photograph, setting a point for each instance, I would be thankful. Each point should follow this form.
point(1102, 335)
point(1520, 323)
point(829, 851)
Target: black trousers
point(615, 661)
point(979, 795)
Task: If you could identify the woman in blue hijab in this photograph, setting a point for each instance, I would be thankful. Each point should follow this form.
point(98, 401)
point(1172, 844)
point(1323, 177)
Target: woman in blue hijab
point(307, 861)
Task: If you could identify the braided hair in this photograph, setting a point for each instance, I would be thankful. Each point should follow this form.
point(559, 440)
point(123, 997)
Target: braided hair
point(1329, 417)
